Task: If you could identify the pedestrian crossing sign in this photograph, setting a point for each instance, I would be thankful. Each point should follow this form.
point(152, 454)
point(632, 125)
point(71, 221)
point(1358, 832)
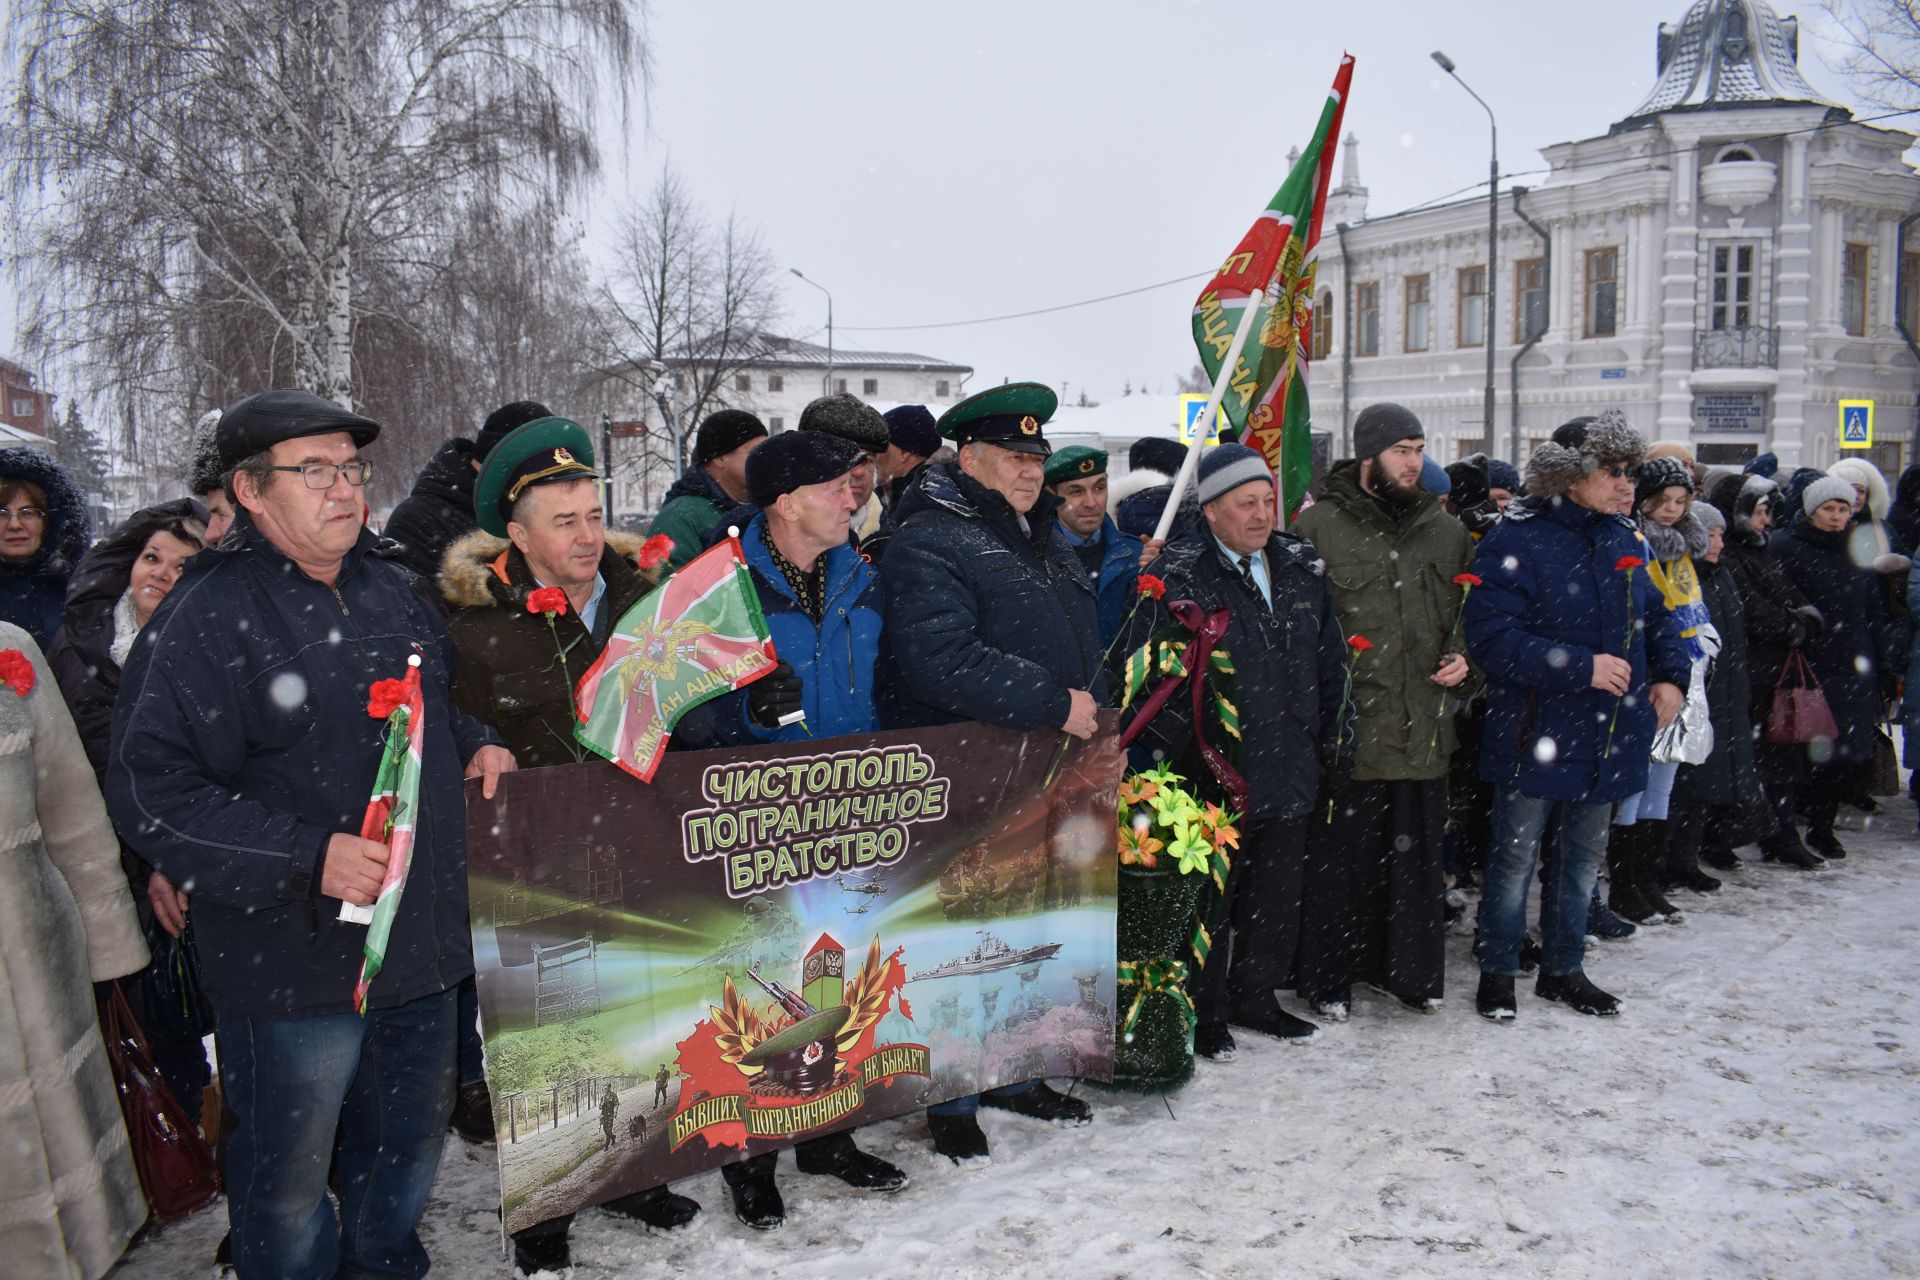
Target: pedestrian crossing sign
point(1191, 407)
point(1856, 424)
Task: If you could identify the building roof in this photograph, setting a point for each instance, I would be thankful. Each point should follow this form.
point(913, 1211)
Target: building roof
point(826, 943)
point(1727, 53)
point(774, 351)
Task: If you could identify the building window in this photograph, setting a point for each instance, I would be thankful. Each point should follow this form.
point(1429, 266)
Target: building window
point(776, 424)
point(23, 408)
point(1910, 293)
point(1418, 331)
point(840, 386)
point(940, 388)
point(1735, 276)
point(1366, 312)
point(776, 382)
point(1322, 337)
point(1473, 306)
point(742, 382)
point(1853, 289)
point(869, 386)
point(1603, 292)
point(1529, 299)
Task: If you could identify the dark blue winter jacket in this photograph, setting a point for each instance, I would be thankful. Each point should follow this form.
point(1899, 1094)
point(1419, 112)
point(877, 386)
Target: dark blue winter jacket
point(1549, 600)
point(835, 660)
point(241, 744)
point(1119, 571)
point(33, 590)
point(985, 621)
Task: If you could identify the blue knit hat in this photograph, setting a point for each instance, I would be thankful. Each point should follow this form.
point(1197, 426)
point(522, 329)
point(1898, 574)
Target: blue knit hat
point(1502, 474)
point(1228, 466)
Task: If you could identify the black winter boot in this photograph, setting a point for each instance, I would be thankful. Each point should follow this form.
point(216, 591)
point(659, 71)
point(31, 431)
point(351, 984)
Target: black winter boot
point(1784, 846)
point(658, 1207)
point(1650, 853)
point(1494, 1000)
point(1624, 892)
point(837, 1156)
point(1577, 993)
point(1684, 834)
point(756, 1200)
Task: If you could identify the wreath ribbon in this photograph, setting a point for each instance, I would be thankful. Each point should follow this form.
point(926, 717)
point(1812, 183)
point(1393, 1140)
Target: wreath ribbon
point(1170, 658)
point(1157, 975)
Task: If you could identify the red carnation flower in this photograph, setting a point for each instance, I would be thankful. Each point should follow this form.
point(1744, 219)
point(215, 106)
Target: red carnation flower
point(1151, 587)
point(551, 601)
point(385, 697)
point(1626, 563)
point(1466, 579)
point(16, 672)
point(1359, 644)
point(654, 550)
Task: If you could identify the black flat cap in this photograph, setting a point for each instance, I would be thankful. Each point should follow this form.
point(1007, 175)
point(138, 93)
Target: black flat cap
point(263, 420)
point(848, 417)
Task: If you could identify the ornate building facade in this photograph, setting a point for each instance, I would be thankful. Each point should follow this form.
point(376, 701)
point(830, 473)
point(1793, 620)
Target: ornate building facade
point(1726, 263)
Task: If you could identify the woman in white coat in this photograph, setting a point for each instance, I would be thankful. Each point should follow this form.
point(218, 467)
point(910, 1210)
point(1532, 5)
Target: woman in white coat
point(70, 1198)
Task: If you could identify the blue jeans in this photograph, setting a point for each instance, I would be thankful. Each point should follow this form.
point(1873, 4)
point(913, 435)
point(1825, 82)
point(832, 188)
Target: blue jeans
point(1519, 821)
point(385, 1084)
point(1650, 805)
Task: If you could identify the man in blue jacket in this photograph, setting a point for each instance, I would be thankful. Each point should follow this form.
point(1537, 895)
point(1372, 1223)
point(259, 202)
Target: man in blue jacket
point(821, 600)
point(990, 617)
point(243, 755)
point(1584, 662)
point(1077, 475)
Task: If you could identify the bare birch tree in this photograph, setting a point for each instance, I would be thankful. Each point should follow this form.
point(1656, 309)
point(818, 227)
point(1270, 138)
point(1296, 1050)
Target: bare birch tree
point(216, 196)
point(1879, 49)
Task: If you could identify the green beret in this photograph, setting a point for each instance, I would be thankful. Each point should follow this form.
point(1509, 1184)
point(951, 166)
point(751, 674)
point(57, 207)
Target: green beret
point(544, 451)
point(1010, 416)
point(1076, 462)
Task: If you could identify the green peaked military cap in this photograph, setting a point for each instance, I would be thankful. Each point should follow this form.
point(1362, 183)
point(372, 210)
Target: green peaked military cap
point(1076, 462)
point(1010, 416)
point(543, 451)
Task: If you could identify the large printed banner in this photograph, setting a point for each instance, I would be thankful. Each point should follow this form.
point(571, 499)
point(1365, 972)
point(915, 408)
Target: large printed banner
point(768, 944)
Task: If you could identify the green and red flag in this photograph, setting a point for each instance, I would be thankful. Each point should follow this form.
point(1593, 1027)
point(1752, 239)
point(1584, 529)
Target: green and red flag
point(1273, 268)
point(390, 813)
point(696, 636)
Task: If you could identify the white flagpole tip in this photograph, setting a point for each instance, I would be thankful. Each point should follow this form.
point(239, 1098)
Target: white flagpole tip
point(733, 531)
point(413, 659)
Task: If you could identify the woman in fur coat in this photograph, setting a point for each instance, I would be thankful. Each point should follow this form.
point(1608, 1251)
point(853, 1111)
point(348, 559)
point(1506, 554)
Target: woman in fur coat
point(71, 1198)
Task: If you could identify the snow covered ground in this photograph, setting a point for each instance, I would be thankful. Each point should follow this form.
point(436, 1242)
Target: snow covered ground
point(1754, 1112)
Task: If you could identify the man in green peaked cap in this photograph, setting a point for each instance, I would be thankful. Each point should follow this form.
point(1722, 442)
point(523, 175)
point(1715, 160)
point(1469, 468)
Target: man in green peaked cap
point(1077, 475)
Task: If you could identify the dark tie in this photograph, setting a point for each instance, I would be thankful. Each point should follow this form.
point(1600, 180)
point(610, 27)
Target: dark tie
point(1246, 576)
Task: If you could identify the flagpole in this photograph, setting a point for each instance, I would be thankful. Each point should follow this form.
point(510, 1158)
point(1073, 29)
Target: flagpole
point(1204, 423)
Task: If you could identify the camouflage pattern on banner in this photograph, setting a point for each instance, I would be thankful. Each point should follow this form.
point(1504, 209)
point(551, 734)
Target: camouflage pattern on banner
point(768, 944)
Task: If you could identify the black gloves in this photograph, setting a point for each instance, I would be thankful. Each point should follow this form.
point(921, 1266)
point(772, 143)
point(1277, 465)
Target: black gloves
point(774, 695)
point(1816, 621)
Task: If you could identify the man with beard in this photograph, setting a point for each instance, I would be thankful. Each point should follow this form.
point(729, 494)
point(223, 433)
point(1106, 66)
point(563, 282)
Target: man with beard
point(1374, 908)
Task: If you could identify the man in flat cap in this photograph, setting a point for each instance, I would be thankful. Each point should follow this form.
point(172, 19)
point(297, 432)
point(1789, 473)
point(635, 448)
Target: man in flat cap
point(1077, 475)
point(990, 617)
point(715, 484)
point(822, 603)
point(243, 756)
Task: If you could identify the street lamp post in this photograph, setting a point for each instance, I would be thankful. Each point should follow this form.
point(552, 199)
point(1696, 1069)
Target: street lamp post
point(826, 388)
point(1493, 233)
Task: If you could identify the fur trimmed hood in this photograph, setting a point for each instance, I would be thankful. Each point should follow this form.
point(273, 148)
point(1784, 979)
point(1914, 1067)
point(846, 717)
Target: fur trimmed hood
point(1556, 467)
point(474, 565)
point(1863, 474)
point(1138, 480)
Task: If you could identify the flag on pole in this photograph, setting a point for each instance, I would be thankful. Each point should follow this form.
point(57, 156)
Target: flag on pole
point(1273, 268)
point(390, 814)
point(696, 636)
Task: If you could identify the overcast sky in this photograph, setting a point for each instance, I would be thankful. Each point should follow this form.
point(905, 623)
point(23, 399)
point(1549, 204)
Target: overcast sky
point(939, 164)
